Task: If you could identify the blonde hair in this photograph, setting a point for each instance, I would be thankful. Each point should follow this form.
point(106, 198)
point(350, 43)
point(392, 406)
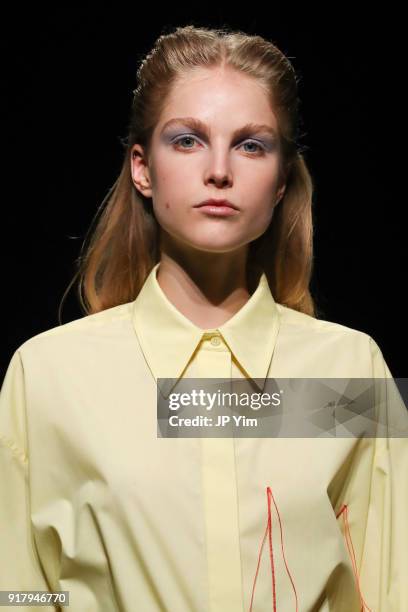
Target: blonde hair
point(125, 244)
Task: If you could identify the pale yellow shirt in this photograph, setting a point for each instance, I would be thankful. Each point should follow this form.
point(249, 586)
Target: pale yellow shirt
point(94, 502)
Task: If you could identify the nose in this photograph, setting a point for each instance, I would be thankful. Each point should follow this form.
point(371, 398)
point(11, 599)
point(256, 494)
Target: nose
point(219, 171)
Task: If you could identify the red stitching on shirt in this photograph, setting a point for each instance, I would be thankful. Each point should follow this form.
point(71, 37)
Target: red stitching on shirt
point(269, 532)
point(344, 510)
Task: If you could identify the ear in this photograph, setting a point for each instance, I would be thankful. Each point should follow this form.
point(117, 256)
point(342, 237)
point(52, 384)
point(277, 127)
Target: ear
point(140, 171)
point(280, 193)
point(282, 184)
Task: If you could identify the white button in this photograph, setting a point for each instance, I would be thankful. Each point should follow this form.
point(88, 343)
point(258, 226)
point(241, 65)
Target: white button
point(215, 341)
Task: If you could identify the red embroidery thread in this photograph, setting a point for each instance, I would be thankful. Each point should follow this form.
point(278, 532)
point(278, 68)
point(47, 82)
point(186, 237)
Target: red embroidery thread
point(268, 531)
point(347, 534)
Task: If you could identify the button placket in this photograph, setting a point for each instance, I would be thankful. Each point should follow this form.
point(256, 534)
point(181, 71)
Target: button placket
point(220, 497)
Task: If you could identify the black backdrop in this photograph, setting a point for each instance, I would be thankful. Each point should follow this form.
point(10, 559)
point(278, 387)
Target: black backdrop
point(68, 76)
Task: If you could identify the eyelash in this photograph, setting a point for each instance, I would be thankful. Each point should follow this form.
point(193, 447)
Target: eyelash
point(261, 152)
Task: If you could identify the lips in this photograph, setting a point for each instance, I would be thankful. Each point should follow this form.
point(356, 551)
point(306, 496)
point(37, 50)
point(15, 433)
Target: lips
point(212, 202)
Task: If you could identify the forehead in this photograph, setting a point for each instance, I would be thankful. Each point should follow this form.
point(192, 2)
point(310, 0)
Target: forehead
point(218, 96)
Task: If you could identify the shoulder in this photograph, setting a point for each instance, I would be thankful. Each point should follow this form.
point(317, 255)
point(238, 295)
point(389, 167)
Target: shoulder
point(331, 345)
point(106, 325)
point(298, 321)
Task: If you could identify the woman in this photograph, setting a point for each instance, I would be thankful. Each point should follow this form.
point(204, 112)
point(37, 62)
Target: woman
point(96, 502)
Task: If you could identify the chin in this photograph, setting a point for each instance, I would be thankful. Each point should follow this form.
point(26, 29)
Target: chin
point(214, 240)
point(210, 240)
point(211, 246)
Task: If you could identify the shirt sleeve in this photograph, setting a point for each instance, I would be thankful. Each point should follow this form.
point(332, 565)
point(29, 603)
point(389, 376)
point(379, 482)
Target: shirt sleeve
point(384, 560)
point(20, 566)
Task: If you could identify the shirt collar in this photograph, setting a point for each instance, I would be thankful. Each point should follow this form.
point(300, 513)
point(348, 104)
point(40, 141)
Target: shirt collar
point(168, 339)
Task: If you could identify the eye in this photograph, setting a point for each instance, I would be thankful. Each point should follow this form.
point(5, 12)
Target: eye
point(257, 144)
point(261, 148)
point(181, 138)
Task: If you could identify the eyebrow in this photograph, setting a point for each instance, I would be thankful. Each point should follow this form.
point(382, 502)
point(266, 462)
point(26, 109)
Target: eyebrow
point(199, 126)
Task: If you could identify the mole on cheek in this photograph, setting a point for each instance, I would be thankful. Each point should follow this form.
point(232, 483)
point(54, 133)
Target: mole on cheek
point(167, 205)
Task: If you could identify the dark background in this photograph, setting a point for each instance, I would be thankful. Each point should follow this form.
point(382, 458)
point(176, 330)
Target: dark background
point(68, 77)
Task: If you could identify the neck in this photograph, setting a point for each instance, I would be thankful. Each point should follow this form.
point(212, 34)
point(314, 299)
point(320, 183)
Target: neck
point(207, 288)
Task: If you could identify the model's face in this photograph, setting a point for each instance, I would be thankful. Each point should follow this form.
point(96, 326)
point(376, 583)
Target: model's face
point(187, 165)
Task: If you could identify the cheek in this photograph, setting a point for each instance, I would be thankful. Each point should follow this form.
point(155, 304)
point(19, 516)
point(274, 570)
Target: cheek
point(262, 208)
point(167, 213)
point(259, 221)
point(168, 208)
